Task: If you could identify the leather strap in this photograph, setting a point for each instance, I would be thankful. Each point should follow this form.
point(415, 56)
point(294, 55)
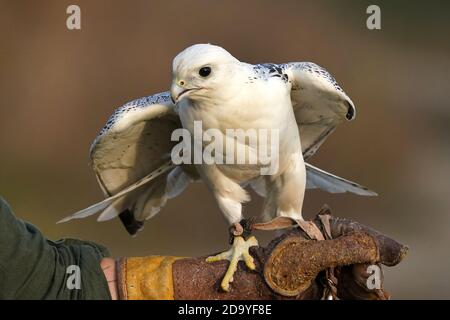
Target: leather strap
point(311, 229)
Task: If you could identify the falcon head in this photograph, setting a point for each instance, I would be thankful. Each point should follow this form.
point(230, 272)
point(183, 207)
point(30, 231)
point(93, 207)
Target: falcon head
point(199, 71)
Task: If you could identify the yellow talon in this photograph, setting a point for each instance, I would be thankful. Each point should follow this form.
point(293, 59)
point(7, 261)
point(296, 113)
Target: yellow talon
point(237, 252)
point(219, 257)
point(249, 261)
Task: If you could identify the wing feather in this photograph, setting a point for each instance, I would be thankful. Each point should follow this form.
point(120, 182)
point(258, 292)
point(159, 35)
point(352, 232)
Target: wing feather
point(133, 150)
point(318, 178)
point(319, 103)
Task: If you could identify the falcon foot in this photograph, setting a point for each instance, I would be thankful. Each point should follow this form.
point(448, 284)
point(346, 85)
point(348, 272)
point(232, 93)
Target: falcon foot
point(238, 251)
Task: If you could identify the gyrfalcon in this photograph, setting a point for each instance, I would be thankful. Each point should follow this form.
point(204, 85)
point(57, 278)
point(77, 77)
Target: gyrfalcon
point(131, 156)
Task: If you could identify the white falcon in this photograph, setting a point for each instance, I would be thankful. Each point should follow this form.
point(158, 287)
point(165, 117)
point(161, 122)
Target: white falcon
point(131, 155)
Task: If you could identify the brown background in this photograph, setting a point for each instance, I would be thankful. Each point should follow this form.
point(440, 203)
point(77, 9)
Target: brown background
point(58, 87)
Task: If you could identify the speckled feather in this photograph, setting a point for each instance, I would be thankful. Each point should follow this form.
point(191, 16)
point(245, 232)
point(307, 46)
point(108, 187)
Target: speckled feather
point(314, 69)
point(133, 105)
point(119, 113)
point(265, 71)
point(269, 70)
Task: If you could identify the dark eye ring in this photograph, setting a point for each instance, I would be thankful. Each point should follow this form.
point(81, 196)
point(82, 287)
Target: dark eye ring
point(204, 72)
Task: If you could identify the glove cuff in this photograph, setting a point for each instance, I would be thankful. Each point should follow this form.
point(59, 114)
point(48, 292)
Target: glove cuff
point(146, 278)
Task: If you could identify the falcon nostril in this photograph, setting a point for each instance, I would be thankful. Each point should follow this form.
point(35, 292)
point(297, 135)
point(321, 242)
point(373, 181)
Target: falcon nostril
point(181, 83)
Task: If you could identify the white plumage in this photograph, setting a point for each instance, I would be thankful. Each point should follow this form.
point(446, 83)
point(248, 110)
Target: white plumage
point(131, 155)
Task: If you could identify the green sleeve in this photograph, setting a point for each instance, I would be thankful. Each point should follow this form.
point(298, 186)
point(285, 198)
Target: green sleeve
point(32, 267)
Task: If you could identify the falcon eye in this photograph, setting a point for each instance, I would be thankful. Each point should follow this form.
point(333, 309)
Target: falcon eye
point(204, 72)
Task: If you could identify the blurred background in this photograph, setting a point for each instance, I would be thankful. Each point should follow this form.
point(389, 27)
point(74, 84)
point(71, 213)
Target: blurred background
point(58, 87)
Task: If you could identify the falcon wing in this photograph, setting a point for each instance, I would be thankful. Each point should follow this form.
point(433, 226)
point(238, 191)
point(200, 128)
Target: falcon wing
point(131, 160)
point(319, 103)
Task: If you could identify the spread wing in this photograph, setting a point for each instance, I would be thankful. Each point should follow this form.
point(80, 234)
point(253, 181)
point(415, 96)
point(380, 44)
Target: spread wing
point(319, 103)
point(131, 160)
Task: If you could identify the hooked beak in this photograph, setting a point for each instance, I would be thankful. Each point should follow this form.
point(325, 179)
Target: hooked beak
point(177, 92)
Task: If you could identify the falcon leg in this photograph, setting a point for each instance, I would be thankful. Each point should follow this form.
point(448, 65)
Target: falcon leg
point(239, 251)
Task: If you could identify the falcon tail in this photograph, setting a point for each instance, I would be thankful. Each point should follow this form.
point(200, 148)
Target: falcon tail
point(130, 223)
point(317, 178)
